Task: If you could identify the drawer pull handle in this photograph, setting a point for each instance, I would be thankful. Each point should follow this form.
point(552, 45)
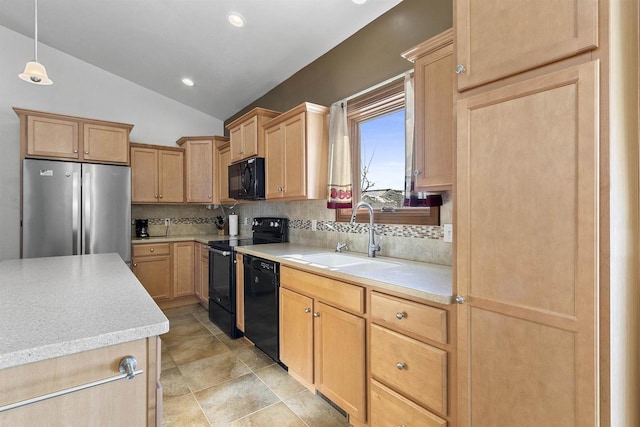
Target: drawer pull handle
point(307, 310)
point(316, 314)
point(401, 315)
point(401, 365)
point(127, 369)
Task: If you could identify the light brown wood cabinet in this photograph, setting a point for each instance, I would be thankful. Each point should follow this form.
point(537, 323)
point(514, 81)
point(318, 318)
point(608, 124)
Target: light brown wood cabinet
point(204, 168)
point(157, 174)
point(166, 270)
point(247, 134)
point(531, 308)
point(134, 402)
point(151, 263)
point(409, 362)
point(496, 40)
point(297, 145)
point(201, 269)
point(55, 136)
point(434, 124)
point(183, 269)
point(318, 337)
point(239, 262)
point(222, 162)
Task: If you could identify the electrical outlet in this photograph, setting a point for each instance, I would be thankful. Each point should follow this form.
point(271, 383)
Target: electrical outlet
point(314, 225)
point(448, 233)
point(167, 222)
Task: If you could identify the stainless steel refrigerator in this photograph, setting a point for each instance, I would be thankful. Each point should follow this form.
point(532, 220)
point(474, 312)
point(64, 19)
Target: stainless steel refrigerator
point(75, 208)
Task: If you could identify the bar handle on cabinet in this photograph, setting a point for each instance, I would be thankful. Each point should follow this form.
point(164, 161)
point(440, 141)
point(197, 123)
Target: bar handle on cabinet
point(127, 370)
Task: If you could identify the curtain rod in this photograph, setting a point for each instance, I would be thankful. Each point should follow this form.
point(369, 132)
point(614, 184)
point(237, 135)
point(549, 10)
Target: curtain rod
point(374, 87)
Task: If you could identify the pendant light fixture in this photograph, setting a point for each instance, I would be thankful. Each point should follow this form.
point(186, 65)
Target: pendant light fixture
point(34, 72)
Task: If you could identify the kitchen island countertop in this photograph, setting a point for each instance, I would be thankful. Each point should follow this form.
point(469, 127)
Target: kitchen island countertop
point(51, 307)
point(431, 282)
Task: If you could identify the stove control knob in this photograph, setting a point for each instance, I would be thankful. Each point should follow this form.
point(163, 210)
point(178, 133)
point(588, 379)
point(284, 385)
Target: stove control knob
point(276, 224)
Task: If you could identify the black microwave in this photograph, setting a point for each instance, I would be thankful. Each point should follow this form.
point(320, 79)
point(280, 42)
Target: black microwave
point(246, 179)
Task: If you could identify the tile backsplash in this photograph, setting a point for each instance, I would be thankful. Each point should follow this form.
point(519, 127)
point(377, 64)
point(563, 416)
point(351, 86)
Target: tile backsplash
point(417, 243)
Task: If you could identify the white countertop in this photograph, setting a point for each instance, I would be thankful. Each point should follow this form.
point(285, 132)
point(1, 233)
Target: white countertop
point(55, 306)
point(431, 282)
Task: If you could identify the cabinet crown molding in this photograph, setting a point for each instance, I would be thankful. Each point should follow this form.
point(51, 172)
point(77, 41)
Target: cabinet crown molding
point(434, 43)
point(258, 111)
point(21, 112)
point(305, 107)
point(214, 138)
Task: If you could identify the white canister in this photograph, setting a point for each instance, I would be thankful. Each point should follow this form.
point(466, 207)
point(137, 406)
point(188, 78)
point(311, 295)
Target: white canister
point(233, 225)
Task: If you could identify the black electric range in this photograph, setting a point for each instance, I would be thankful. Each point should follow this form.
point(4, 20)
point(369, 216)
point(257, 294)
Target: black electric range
point(222, 269)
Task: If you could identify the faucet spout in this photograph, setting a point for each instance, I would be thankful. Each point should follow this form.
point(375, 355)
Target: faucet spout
point(373, 246)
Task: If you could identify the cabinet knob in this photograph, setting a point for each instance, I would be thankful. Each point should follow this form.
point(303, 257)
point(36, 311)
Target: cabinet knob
point(86, 152)
point(400, 365)
point(307, 310)
point(401, 315)
point(316, 314)
point(135, 265)
point(209, 196)
point(161, 196)
point(152, 249)
point(459, 299)
point(75, 151)
point(460, 69)
point(156, 196)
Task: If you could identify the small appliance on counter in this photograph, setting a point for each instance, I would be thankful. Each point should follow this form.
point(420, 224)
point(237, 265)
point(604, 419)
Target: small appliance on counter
point(142, 228)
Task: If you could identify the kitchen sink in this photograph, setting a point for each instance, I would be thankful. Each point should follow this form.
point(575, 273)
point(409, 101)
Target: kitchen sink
point(338, 260)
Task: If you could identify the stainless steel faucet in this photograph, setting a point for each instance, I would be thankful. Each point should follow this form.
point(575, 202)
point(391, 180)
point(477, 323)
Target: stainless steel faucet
point(373, 246)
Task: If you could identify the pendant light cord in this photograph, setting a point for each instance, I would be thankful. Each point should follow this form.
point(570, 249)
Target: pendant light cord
point(35, 38)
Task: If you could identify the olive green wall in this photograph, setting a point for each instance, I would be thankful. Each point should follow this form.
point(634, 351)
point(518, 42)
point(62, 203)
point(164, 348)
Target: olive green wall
point(370, 56)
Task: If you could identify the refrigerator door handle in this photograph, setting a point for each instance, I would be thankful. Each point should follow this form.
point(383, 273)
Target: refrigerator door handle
point(76, 211)
point(86, 217)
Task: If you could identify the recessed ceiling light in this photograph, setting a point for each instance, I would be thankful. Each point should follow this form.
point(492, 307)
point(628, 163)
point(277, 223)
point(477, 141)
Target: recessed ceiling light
point(235, 19)
point(187, 82)
point(359, 1)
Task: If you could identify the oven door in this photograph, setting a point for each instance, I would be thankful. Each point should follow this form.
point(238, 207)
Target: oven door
point(222, 278)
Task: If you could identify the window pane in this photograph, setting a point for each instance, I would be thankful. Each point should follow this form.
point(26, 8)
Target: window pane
point(382, 156)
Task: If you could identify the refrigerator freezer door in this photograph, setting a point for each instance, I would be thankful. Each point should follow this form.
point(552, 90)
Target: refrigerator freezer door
point(106, 210)
point(50, 208)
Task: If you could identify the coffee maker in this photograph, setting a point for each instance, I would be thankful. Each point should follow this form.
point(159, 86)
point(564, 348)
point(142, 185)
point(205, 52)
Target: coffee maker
point(142, 228)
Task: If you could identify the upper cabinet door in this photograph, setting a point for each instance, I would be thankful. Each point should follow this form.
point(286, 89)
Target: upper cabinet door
point(49, 137)
point(105, 143)
point(200, 171)
point(144, 175)
point(295, 159)
point(170, 176)
point(499, 38)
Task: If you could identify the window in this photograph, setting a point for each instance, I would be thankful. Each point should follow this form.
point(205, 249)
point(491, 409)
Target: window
point(376, 123)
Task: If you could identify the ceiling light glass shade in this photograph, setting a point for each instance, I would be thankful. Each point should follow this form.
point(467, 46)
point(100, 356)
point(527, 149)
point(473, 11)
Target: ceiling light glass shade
point(235, 19)
point(34, 72)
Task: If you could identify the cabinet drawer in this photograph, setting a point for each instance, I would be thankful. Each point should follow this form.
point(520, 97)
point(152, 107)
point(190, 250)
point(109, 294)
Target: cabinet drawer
point(423, 320)
point(415, 369)
point(388, 408)
point(333, 292)
point(151, 249)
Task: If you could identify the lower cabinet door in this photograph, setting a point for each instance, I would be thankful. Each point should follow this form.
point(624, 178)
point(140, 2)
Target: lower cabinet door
point(296, 334)
point(155, 275)
point(340, 358)
point(389, 408)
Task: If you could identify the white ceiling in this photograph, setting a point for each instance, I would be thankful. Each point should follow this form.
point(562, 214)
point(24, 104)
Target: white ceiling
point(155, 43)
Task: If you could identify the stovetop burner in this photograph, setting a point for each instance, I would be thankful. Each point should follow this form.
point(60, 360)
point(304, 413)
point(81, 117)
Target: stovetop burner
point(265, 230)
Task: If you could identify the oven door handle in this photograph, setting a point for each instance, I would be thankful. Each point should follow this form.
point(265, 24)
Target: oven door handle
point(218, 251)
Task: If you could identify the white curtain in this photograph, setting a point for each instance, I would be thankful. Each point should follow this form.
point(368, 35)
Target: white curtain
point(339, 188)
point(410, 198)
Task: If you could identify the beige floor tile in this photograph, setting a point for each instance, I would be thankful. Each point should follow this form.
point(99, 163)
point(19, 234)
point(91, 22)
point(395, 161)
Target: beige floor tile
point(196, 348)
point(178, 333)
point(196, 308)
point(276, 415)
point(173, 384)
point(253, 358)
point(235, 399)
point(279, 381)
point(182, 411)
point(231, 343)
point(314, 411)
point(176, 311)
point(215, 330)
point(213, 370)
point(166, 362)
